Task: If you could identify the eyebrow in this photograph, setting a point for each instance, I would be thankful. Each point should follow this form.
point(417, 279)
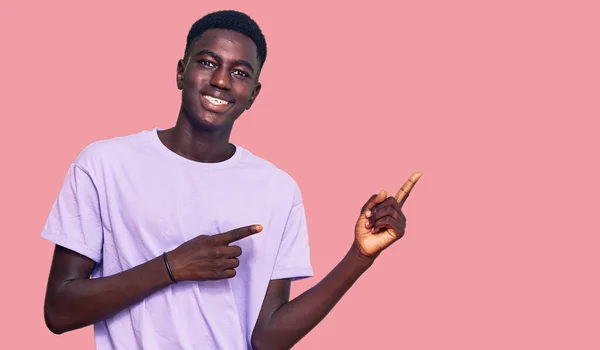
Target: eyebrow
point(218, 58)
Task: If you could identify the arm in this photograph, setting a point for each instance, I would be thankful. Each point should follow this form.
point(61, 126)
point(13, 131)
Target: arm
point(73, 300)
point(282, 323)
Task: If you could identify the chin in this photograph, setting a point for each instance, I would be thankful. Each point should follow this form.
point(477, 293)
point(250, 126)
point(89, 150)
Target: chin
point(210, 122)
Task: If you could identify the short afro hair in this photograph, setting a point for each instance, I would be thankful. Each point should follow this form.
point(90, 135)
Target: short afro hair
point(232, 20)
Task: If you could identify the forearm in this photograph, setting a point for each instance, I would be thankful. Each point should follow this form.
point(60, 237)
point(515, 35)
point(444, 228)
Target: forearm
point(295, 319)
point(81, 302)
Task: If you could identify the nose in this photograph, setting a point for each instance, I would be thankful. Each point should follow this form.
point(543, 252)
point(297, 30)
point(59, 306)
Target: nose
point(221, 79)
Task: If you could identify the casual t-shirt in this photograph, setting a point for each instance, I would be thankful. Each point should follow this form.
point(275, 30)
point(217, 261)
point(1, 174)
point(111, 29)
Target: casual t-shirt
point(126, 200)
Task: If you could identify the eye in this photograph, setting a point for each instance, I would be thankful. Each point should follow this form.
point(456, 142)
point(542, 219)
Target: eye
point(207, 63)
point(241, 73)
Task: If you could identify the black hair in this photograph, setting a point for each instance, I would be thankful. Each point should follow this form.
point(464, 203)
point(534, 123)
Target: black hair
point(232, 20)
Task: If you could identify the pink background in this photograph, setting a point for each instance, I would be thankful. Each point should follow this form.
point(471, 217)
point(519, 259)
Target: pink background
point(496, 102)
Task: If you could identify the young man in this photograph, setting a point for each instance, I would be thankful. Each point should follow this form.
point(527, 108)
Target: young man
point(192, 241)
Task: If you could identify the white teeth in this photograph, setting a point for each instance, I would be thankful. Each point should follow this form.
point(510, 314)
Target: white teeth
point(215, 101)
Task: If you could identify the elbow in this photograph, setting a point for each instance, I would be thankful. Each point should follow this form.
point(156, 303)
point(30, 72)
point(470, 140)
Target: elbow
point(257, 345)
point(56, 331)
point(263, 339)
point(53, 326)
point(258, 340)
point(53, 320)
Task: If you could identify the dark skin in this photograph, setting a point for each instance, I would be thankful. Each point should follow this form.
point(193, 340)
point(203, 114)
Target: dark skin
point(222, 64)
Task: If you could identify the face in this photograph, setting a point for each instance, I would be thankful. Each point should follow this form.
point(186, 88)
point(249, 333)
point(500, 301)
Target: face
point(219, 79)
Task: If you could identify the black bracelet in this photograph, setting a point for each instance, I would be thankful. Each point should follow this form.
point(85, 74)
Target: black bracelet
point(169, 268)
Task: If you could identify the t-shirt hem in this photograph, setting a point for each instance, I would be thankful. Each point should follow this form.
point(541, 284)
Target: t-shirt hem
point(294, 274)
point(75, 246)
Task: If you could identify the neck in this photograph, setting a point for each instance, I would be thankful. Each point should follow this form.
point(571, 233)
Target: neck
point(197, 144)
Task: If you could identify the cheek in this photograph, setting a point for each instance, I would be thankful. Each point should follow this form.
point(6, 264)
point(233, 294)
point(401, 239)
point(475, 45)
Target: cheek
point(192, 80)
point(244, 92)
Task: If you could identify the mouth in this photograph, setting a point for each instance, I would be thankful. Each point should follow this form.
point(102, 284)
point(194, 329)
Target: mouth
point(215, 104)
point(215, 101)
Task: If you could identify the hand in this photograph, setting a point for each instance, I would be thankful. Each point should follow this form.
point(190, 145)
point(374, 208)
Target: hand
point(381, 221)
point(209, 257)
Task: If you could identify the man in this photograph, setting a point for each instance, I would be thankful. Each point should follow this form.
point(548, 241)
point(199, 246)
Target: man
point(191, 241)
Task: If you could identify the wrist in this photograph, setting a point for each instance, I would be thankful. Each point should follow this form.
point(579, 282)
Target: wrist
point(157, 272)
point(168, 267)
point(169, 260)
point(357, 256)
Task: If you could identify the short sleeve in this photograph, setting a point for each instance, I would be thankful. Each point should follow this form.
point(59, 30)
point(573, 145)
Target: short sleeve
point(293, 258)
point(74, 221)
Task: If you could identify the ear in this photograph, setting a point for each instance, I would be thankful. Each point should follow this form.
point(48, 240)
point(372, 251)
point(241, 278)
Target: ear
point(180, 73)
point(254, 95)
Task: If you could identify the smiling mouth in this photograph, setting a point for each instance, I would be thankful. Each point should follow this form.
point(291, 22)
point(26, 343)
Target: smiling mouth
point(215, 101)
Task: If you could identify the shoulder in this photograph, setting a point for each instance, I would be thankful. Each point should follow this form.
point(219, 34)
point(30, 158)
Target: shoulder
point(97, 153)
point(278, 178)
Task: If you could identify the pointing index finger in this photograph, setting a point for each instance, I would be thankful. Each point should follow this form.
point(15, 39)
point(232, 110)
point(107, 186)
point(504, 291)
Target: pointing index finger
point(404, 191)
point(238, 233)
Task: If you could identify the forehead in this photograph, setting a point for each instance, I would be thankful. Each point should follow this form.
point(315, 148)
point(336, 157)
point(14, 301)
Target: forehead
point(228, 44)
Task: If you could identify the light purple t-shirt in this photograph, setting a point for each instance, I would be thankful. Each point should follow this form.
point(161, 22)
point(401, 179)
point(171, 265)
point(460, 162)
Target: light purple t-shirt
point(126, 200)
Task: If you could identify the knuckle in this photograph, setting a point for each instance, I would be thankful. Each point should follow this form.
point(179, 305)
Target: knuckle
point(235, 251)
point(201, 239)
point(376, 209)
